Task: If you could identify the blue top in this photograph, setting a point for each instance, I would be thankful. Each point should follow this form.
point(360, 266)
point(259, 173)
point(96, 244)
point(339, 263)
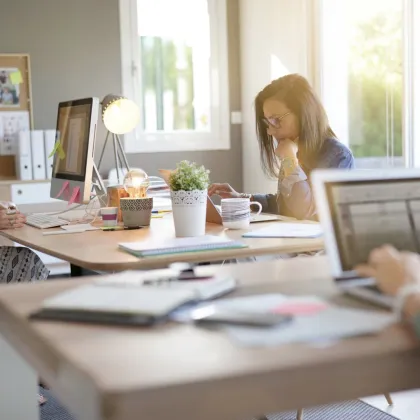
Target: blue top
point(294, 196)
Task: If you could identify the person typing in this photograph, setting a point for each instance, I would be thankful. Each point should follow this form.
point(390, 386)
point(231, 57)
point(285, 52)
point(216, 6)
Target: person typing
point(397, 274)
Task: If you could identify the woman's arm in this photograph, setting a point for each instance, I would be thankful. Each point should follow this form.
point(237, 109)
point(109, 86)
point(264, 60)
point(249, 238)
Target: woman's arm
point(295, 188)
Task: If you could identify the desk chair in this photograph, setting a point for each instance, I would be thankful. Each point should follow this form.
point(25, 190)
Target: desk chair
point(299, 412)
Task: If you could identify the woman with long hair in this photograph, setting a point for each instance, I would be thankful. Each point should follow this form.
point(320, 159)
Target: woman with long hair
point(294, 137)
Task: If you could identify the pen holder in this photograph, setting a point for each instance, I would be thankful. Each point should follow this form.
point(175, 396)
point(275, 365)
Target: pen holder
point(136, 212)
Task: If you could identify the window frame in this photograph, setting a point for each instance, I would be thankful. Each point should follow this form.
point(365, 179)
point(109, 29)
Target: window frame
point(218, 137)
point(411, 74)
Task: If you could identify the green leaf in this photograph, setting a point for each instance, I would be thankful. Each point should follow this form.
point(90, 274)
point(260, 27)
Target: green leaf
point(188, 176)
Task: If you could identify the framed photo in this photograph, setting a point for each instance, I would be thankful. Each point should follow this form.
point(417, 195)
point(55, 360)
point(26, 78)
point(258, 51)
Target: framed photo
point(15, 84)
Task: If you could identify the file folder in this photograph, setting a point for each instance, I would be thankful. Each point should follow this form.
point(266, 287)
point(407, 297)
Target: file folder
point(23, 157)
point(38, 154)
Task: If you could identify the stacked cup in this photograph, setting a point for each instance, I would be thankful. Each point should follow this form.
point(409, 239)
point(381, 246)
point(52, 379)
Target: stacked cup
point(236, 212)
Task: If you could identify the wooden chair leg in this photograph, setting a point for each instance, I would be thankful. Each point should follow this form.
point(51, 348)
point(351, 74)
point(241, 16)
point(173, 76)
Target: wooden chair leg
point(389, 399)
point(299, 414)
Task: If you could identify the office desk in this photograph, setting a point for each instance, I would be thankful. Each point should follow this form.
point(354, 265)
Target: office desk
point(178, 372)
point(98, 250)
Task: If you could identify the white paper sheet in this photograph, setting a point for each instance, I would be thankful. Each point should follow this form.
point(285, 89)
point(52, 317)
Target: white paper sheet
point(287, 230)
point(326, 326)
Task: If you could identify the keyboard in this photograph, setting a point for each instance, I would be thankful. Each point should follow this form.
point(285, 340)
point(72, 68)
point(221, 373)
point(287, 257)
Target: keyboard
point(44, 221)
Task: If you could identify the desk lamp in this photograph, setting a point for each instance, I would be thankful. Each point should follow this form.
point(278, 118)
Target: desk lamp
point(120, 116)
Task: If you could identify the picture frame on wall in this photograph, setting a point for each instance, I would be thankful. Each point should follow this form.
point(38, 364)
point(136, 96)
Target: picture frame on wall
point(15, 107)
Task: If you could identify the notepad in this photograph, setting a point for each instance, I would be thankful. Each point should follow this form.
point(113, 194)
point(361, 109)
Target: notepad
point(287, 230)
point(179, 245)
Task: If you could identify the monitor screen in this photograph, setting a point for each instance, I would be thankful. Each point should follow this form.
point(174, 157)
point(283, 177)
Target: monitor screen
point(73, 127)
point(368, 214)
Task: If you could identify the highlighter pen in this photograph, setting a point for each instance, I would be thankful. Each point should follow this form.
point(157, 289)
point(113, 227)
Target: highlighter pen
point(111, 228)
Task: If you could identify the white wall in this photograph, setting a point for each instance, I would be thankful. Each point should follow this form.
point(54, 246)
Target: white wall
point(274, 41)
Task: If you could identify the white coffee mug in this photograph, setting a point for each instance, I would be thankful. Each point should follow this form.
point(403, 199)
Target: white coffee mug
point(236, 212)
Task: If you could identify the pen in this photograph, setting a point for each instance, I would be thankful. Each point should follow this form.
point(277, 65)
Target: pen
point(161, 211)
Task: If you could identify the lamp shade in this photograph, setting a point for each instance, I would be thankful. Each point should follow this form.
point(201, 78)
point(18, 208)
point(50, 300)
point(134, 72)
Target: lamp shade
point(119, 114)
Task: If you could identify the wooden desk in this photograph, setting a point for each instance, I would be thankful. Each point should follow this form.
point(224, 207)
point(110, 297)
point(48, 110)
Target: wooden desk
point(178, 371)
point(97, 250)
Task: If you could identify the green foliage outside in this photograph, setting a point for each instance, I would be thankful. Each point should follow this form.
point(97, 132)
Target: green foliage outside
point(160, 73)
point(188, 176)
point(376, 68)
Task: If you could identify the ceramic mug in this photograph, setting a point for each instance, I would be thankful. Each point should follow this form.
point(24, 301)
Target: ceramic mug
point(109, 216)
point(136, 212)
point(236, 212)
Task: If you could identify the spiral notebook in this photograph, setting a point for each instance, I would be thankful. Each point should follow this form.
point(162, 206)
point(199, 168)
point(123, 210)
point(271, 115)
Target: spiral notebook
point(179, 245)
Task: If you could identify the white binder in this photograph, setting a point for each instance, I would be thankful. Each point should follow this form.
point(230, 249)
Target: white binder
point(23, 157)
point(38, 154)
point(49, 142)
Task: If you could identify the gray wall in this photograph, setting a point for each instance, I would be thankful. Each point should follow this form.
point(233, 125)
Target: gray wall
point(75, 52)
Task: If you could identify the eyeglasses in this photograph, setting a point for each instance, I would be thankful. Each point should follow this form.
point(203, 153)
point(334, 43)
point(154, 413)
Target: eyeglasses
point(275, 120)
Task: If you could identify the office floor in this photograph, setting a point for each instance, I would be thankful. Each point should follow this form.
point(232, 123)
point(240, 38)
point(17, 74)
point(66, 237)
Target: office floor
point(406, 404)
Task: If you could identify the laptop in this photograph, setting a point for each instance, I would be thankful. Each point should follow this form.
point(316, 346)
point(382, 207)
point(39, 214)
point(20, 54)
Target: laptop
point(360, 210)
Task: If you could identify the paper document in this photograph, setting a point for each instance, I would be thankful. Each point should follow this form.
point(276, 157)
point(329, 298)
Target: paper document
point(287, 230)
point(333, 323)
point(162, 204)
point(314, 320)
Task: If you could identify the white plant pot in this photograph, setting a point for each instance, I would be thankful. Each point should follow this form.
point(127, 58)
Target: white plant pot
point(189, 212)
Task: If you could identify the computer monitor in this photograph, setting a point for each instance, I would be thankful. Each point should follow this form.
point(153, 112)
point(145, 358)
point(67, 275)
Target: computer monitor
point(76, 130)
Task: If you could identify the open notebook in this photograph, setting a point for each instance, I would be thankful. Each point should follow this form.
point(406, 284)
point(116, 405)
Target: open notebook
point(179, 245)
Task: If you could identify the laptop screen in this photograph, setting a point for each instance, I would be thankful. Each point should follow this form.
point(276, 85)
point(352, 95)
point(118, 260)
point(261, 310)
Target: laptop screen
point(368, 214)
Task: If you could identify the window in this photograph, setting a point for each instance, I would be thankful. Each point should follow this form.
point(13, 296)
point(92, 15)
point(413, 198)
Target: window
point(362, 77)
point(174, 66)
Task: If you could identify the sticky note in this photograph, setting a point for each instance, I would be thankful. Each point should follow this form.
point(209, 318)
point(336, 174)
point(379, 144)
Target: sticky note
point(57, 149)
point(61, 153)
point(299, 308)
point(16, 77)
point(75, 195)
point(65, 188)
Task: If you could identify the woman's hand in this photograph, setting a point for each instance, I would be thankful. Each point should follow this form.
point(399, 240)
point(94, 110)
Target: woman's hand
point(11, 221)
point(391, 268)
point(287, 149)
point(223, 190)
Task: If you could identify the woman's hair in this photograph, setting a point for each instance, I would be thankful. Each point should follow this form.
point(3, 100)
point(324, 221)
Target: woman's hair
point(299, 97)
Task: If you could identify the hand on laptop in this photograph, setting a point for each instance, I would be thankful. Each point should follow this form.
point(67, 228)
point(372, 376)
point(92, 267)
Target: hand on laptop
point(223, 190)
point(391, 268)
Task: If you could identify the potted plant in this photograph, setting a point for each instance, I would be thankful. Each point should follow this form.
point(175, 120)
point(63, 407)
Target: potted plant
point(188, 184)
